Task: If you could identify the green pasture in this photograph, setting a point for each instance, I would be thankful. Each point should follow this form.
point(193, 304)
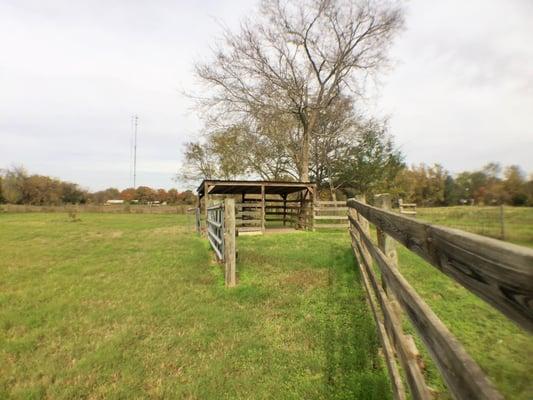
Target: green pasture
point(134, 306)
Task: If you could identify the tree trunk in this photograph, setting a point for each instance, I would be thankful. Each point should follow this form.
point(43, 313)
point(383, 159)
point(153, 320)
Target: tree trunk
point(304, 175)
point(306, 145)
point(332, 192)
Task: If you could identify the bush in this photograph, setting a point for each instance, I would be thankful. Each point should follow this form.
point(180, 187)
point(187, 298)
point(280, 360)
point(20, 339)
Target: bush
point(519, 199)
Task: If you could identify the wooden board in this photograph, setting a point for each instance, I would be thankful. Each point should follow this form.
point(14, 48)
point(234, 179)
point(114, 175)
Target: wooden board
point(398, 390)
point(463, 376)
point(393, 326)
point(498, 272)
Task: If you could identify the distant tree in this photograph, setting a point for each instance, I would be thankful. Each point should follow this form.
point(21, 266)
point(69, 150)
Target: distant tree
point(71, 193)
point(13, 184)
point(514, 184)
point(187, 197)
point(145, 194)
point(161, 195)
point(42, 190)
point(199, 163)
point(368, 163)
point(422, 184)
point(529, 190)
point(2, 200)
point(451, 191)
point(102, 196)
point(172, 196)
point(128, 195)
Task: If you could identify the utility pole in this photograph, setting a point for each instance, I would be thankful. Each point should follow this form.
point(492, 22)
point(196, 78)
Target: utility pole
point(135, 123)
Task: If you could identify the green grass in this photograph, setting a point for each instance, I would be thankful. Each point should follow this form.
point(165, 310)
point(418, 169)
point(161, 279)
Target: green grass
point(133, 306)
point(502, 350)
point(518, 221)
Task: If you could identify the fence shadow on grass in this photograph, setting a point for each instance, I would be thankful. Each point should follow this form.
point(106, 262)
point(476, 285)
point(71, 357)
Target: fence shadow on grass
point(353, 367)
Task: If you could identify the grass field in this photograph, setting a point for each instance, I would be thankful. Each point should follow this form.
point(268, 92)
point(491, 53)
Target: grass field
point(517, 221)
point(133, 306)
point(499, 347)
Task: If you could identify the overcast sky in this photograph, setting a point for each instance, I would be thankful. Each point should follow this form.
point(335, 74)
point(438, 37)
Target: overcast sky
point(73, 72)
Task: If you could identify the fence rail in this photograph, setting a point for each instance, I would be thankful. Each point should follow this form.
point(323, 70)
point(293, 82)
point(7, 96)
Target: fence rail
point(221, 235)
point(498, 272)
point(330, 214)
point(407, 208)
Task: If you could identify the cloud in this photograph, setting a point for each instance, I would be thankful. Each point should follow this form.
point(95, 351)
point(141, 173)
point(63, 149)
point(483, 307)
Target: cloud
point(461, 93)
point(72, 73)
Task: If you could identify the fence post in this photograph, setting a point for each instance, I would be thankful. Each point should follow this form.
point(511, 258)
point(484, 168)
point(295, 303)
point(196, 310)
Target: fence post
point(385, 242)
point(263, 211)
point(366, 228)
point(197, 215)
point(229, 242)
point(502, 223)
point(386, 245)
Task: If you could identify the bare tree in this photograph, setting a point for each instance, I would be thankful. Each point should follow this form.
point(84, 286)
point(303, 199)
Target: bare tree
point(199, 163)
point(293, 61)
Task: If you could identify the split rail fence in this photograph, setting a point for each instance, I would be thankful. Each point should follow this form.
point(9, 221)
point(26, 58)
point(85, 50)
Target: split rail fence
point(221, 236)
point(499, 273)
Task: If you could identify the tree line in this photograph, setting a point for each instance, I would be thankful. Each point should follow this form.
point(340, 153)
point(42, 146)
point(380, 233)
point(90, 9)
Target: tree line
point(17, 186)
point(433, 185)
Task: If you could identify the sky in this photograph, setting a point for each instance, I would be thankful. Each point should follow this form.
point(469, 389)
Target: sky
point(72, 73)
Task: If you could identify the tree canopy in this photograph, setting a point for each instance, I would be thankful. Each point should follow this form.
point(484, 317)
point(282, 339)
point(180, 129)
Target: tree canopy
point(281, 92)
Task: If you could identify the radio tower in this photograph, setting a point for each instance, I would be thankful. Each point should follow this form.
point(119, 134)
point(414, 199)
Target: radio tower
point(135, 124)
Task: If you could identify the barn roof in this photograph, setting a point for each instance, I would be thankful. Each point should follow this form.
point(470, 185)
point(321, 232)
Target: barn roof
point(252, 187)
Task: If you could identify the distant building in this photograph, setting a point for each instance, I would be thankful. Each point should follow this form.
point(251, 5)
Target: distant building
point(110, 202)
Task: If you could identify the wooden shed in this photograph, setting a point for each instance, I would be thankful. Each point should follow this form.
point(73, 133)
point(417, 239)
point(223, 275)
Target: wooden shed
point(263, 205)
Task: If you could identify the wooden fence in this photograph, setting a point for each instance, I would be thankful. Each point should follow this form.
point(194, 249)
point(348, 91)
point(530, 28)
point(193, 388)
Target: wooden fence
point(97, 208)
point(330, 214)
point(249, 216)
point(253, 214)
point(499, 273)
point(221, 236)
point(407, 208)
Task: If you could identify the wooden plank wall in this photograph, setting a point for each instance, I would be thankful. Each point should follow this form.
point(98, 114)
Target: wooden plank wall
point(330, 214)
point(497, 272)
point(279, 210)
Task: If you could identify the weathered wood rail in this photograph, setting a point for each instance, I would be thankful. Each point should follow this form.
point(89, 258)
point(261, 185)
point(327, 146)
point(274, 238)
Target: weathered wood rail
point(221, 235)
point(407, 208)
point(330, 214)
point(253, 213)
point(499, 273)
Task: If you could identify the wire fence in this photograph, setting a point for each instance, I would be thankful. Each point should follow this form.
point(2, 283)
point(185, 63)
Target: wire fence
point(486, 221)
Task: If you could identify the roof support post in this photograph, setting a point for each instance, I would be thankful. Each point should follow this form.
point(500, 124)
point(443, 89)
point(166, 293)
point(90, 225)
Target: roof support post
point(206, 203)
point(284, 197)
point(263, 213)
point(311, 214)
